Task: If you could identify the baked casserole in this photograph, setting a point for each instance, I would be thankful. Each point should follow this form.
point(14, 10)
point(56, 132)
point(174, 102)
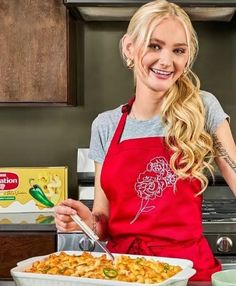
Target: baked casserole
point(123, 268)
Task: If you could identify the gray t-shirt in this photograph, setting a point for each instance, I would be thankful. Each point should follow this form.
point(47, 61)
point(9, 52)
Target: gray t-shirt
point(104, 126)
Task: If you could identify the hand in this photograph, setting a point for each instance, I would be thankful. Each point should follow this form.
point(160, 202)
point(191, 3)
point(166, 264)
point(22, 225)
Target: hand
point(65, 209)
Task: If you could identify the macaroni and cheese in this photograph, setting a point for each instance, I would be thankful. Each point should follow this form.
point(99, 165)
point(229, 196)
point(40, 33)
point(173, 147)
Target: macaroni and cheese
point(124, 268)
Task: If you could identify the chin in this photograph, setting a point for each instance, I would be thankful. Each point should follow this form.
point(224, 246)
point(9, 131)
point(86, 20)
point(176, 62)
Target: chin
point(161, 90)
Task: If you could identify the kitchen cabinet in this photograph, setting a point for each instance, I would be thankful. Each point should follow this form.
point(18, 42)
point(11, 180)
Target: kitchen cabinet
point(37, 63)
point(20, 245)
point(25, 235)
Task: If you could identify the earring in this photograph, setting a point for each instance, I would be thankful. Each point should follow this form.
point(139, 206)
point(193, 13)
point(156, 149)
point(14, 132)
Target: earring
point(186, 70)
point(130, 63)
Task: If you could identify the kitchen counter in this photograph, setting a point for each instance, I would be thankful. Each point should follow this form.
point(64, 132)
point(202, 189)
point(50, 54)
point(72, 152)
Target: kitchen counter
point(27, 222)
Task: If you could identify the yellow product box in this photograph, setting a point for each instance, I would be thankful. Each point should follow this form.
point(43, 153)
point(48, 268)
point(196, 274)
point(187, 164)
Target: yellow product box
point(32, 189)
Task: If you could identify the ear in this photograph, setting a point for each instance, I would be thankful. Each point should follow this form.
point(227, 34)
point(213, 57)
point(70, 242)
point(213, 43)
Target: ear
point(127, 47)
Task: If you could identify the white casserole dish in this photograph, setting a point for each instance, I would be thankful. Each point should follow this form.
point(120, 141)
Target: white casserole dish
point(22, 278)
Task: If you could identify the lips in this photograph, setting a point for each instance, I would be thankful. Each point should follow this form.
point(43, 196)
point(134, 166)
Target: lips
point(161, 73)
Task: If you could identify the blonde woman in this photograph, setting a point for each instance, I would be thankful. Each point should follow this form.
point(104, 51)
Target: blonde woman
point(152, 154)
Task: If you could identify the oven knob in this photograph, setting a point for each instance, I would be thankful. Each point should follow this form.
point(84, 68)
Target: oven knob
point(224, 244)
point(86, 244)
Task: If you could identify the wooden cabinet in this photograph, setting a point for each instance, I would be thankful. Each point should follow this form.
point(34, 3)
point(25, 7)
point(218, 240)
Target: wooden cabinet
point(37, 62)
point(17, 246)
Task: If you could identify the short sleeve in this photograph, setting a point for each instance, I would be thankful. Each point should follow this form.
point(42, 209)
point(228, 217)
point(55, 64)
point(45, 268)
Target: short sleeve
point(96, 147)
point(214, 112)
point(102, 131)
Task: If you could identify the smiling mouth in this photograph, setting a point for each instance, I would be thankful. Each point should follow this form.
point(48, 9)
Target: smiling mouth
point(161, 72)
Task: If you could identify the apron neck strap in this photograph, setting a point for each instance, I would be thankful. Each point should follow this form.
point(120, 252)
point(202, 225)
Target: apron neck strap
point(119, 130)
point(127, 107)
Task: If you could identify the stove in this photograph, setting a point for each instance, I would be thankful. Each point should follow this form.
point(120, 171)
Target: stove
point(218, 213)
point(219, 222)
point(219, 210)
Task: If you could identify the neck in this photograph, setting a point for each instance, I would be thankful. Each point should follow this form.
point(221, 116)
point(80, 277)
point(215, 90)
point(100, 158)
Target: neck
point(145, 108)
point(147, 102)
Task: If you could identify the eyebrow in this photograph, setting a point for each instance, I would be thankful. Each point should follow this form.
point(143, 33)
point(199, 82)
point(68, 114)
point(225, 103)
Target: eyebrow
point(163, 43)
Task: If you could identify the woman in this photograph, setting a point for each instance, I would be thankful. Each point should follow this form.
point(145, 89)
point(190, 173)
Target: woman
point(152, 155)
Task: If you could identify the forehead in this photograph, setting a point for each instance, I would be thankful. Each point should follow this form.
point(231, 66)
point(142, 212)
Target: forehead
point(169, 29)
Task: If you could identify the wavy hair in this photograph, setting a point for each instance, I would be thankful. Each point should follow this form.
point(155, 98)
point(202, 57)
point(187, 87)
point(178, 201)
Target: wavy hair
point(183, 111)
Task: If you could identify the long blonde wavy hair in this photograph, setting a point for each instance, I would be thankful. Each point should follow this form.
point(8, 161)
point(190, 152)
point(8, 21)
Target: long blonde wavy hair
point(183, 111)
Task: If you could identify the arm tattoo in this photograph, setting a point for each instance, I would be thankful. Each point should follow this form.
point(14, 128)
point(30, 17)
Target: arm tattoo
point(100, 225)
point(221, 152)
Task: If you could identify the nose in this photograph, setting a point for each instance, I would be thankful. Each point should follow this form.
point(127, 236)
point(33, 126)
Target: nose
point(165, 58)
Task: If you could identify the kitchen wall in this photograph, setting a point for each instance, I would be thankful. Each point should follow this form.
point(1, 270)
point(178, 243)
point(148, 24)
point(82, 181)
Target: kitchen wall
point(50, 136)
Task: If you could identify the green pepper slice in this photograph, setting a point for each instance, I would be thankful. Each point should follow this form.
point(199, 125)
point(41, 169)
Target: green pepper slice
point(38, 194)
point(110, 272)
point(166, 267)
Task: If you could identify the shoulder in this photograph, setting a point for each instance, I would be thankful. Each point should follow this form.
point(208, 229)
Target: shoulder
point(108, 118)
point(103, 128)
point(105, 123)
point(211, 103)
point(213, 111)
point(208, 98)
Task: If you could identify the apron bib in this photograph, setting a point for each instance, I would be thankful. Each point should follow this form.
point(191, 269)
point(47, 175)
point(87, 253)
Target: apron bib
point(151, 211)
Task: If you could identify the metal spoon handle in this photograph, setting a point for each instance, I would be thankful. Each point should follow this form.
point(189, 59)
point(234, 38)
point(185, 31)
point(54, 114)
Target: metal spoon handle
point(89, 232)
point(86, 229)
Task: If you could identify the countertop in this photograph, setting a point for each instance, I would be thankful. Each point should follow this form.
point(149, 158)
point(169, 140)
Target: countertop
point(27, 222)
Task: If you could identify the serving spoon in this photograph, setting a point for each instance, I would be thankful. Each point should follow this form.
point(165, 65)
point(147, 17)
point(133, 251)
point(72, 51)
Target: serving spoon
point(88, 231)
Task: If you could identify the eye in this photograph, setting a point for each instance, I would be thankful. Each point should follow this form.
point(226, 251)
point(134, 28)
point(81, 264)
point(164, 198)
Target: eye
point(154, 46)
point(179, 51)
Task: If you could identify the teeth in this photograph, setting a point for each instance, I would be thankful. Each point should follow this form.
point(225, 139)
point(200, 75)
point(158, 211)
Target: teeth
point(161, 72)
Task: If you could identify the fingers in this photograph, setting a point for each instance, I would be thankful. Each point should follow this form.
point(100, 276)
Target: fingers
point(65, 223)
point(66, 207)
point(63, 212)
point(63, 220)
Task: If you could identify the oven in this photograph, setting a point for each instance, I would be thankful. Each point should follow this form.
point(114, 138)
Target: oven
point(219, 222)
point(218, 210)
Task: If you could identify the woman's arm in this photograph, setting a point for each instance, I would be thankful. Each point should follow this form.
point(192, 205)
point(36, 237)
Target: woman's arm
point(100, 206)
point(226, 154)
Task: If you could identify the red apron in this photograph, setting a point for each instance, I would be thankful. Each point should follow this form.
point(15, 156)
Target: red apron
point(150, 211)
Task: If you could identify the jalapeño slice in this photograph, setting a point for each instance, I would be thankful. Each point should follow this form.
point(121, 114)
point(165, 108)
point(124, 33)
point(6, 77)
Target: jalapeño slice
point(110, 272)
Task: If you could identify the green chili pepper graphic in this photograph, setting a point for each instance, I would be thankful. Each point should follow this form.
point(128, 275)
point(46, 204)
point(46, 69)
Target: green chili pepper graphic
point(38, 194)
point(45, 219)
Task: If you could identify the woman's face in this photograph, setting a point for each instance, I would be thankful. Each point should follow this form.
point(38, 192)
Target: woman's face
point(165, 58)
